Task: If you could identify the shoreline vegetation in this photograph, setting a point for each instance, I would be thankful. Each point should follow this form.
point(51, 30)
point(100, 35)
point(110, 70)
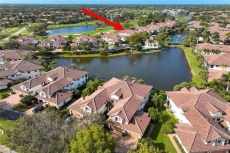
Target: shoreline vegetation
point(193, 64)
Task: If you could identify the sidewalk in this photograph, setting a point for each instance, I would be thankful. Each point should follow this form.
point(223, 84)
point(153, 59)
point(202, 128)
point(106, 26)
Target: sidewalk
point(174, 143)
point(150, 130)
point(4, 149)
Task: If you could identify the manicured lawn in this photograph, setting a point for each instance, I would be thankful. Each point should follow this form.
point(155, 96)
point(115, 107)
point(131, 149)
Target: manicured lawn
point(8, 91)
point(5, 125)
point(25, 33)
point(162, 141)
point(193, 65)
point(71, 25)
point(94, 55)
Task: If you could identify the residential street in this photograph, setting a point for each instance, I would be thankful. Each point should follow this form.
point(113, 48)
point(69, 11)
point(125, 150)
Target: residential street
point(16, 33)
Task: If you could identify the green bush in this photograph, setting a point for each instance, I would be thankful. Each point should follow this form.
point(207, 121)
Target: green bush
point(28, 100)
point(51, 108)
point(169, 128)
point(178, 144)
point(4, 95)
point(102, 53)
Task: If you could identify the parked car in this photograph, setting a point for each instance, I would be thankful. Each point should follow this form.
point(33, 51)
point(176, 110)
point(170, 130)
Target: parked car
point(37, 109)
point(69, 119)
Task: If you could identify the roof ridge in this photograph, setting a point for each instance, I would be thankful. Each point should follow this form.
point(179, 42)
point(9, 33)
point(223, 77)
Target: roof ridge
point(135, 118)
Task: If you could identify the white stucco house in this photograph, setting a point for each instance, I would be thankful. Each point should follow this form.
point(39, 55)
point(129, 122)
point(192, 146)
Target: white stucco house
point(19, 69)
point(204, 119)
point(123, 99)
point(54, 87)
point(217, 62)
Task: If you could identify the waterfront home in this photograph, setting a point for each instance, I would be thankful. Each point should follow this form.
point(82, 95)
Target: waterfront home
point(151, 43)
point(111, 38)
point(27, 40)
point(217, 62)
point(222, 32)
point(54, 87)
point(215, 74)
point(123, 99)
point(12, 55)
point(4, 83)
point(54, 41)
point(82, 39)
point(194, 25)
point(127, 32)
point(19, 69)
point(222, 48)
point(204, 120)
point(228, 26)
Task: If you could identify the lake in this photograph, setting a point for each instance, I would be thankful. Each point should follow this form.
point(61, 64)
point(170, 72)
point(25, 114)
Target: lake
point(70, 30)
point(177, 38)
point(163, 70)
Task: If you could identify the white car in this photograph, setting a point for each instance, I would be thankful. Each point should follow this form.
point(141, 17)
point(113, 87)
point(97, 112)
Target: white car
point(69, 119)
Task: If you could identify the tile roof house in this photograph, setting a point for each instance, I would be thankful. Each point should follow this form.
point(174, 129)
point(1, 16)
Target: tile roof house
point(19, 69)
point(111, 38)
point(4, 83)
point(53, 41)
point(204, 119)
point(27, 40)
point(194, 25)
point(217, 62)
point(127, 32)
point(13, 55)
point(54, 87)
point(215, 74)
point(82, 39)
point(222, 32)
point(151, 43)
point(123, 99)
point(222, 48)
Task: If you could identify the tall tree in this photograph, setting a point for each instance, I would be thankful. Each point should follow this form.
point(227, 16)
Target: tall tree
point(93, 140)
point(226, 79)
point(52, 64)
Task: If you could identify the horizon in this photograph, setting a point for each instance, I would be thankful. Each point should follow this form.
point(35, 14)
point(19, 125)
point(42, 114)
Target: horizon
point(118, 2)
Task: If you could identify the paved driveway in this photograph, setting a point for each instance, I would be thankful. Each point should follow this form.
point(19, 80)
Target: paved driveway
point(29, 111)
point(124, 143)
point(10, 102)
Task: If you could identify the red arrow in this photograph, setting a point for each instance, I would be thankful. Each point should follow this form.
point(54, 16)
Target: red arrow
point(117, 26)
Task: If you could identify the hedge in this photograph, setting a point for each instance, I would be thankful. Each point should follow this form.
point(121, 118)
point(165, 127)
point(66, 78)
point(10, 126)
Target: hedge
point(178, 144)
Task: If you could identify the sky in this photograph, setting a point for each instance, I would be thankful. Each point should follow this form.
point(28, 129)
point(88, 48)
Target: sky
point(116, 1)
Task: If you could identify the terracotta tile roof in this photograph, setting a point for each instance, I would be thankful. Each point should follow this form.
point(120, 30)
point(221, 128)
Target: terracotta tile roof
point(193, 141)
point(222, 48)
point(200, 104)
point(82, 39)
point(58, 97)
point(195, 24)
point(132, 96)
point(26, 40)
point(215, 74)
point(219, 59)
point(19, 66)
point(14, 54)
point(138, 124)
point(4, 81)
point(63, 76)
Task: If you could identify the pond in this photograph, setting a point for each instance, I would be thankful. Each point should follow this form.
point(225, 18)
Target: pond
point(177, 38)
point(163, 70)
point(70, 30)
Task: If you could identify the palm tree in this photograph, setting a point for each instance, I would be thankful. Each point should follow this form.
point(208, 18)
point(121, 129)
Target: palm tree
point(223, 66)
point(157, 99)
point(125, 77)
point(226, 79)
point(52, 64)
point(7, 60)
point(215, 85)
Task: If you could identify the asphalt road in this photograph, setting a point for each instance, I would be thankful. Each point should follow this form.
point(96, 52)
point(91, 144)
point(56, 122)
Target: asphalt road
point(16, 33)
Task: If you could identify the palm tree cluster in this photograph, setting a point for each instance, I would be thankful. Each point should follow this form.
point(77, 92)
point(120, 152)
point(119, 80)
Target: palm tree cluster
point(91, 86)
point(212, 51)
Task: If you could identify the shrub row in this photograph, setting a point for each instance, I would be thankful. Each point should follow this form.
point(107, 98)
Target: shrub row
point(178, 144)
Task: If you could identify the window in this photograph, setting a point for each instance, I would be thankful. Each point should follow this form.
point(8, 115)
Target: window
point(29, 72)
point(83, 81)
point(12, 75)
point(116, 119)
point(78, 85)
point(218, 119)
point(218, 141)
point(35, 70)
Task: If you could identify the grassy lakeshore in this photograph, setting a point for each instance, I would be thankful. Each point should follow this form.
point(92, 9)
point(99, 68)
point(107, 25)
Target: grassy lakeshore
point(191, 58)
point(133, 22)
point(92, 55)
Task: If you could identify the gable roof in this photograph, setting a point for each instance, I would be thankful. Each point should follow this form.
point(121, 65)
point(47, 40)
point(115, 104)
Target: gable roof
point(219, 59)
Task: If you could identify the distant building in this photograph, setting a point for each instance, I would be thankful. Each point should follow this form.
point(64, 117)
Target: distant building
point(54, 42)
point(12, 55)
point(26, 40)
